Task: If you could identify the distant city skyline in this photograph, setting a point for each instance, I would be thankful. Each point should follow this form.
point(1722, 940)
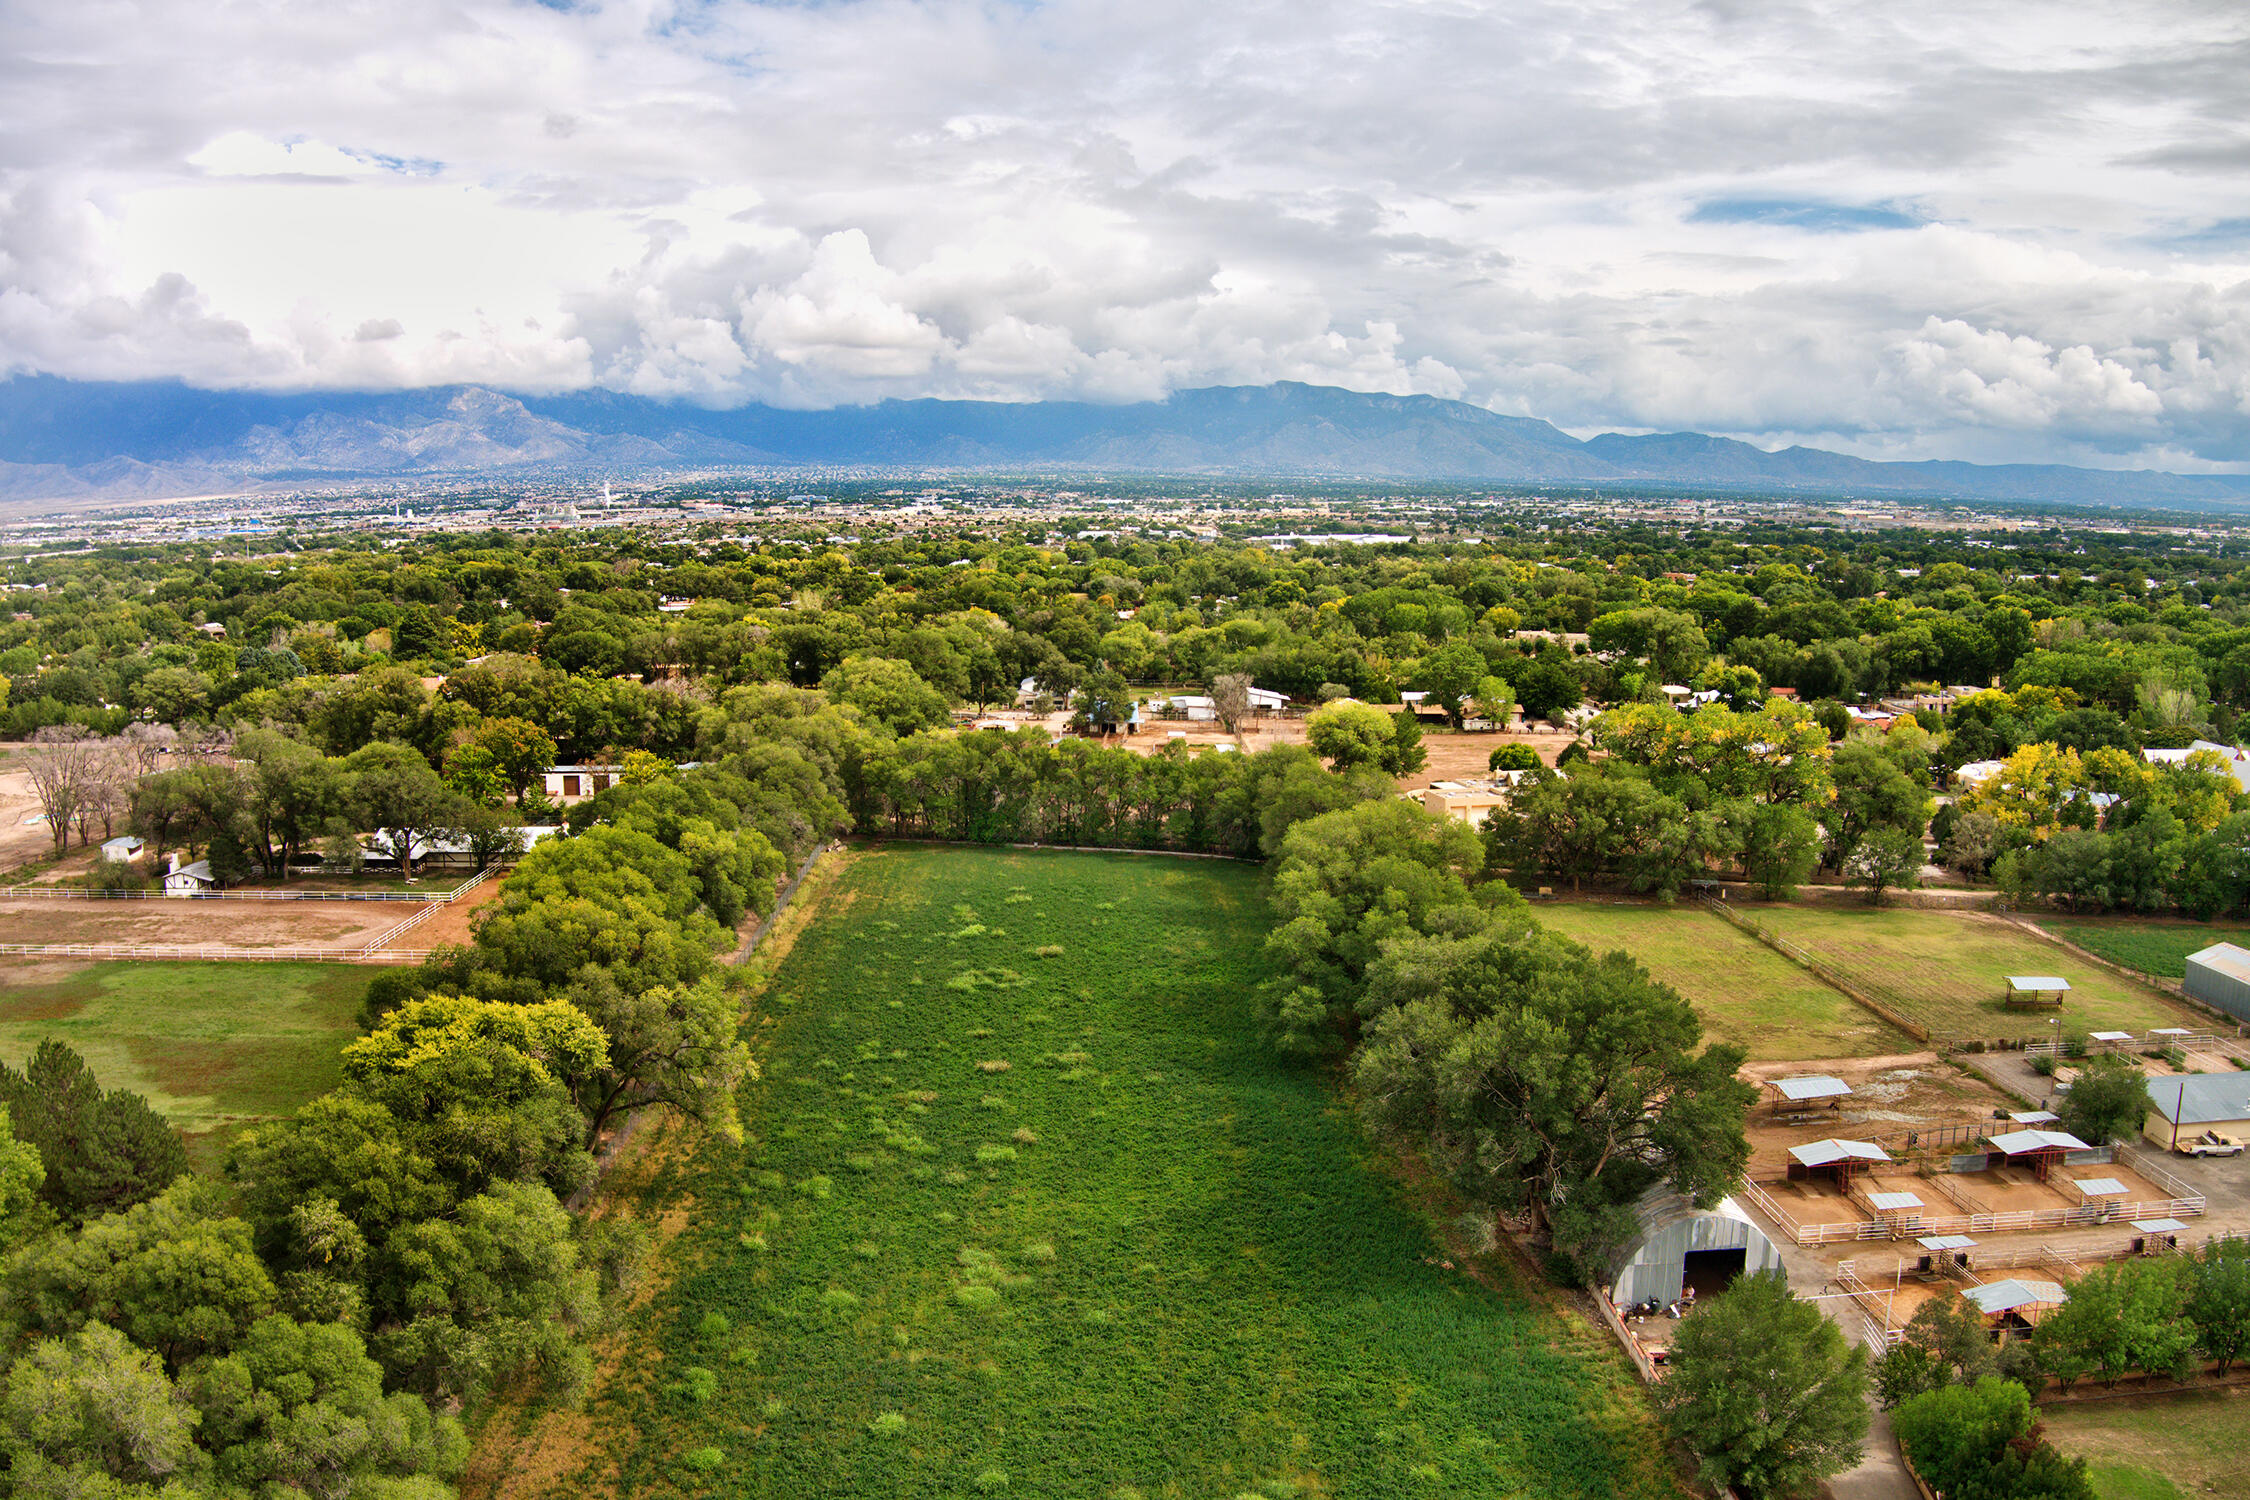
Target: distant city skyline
point(2016, 232)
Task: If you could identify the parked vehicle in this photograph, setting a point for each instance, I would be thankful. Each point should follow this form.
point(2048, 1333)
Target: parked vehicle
point(2210, 1143)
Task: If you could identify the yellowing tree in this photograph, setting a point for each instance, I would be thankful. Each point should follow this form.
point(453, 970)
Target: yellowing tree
point(2031, 789)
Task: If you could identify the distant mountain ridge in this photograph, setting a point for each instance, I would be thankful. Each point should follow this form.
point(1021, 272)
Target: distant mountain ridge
point(65, 440)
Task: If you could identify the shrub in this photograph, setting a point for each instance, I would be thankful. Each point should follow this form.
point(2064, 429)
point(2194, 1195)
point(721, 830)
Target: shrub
point(978, 1297)
point(988, 1155)
point(992, 1479)
point(889, 1424)
point(703, 1460)
point(2043, 1066)
point(714, 1326)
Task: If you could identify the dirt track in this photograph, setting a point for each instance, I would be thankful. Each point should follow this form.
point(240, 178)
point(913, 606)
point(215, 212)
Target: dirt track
point(450, 926)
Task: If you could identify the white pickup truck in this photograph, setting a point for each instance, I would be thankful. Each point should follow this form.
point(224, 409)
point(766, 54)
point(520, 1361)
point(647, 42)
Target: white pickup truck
point(2210, 1143)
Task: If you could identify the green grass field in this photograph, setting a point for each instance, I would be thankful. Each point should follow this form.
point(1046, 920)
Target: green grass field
point(1028, 1208)
point(212, 1046)
point(1744, 991)
point(2153, 947)
point(2161, 1449)
point(1948, 970)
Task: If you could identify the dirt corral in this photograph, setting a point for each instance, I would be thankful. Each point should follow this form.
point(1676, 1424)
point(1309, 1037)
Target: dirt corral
point(1910, 1091)
point(233, 924)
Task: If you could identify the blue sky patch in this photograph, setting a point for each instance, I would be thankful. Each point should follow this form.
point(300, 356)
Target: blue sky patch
point(1810, 214)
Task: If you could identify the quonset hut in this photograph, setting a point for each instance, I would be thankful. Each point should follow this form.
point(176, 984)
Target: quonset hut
point(1680, 1245)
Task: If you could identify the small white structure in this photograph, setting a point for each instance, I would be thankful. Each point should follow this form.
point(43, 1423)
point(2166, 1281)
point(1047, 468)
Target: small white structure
point(1194, 707)
point(1267, 701)
point(1978, 772)
point(2237, 758)
point(2039, 991)
point(577, 783)
point(1680, 1245)
point(122, 849)
point(1809, 1088)
point(188, 880)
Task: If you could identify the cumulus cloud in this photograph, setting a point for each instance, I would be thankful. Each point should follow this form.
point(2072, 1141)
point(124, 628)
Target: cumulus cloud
point(2004, 231)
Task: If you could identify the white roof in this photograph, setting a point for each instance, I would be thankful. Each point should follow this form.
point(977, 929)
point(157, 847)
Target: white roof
point(2098, 1187)
point(2005, 1296)
point(2171, 1031)
point(1191, 700)
point(1826, 1153)
point(2158, 1226)
point(1414, 697)
point(2113, 1036)
point(1978, 770)
point(1885, 1203)
point(1812, 1086)
point(1945, 1242)
point(200, 870)
point(2036, 982)
point(2016, 1142)
point(2034, 1116)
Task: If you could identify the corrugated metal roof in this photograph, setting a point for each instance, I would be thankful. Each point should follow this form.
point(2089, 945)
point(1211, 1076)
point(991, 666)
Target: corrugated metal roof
point(1812, 1086)
point(1946, 1242)
point(2037, 982)
point(1887, 1203)
point(2201, 1098)
point(2016, 1142)
point(2113, 1036)
point(1827, 1153)
point(2005, 1296)
point(2158, 1226)
point(2224, 958)
point(2098, 1187)
point(2034, 1116)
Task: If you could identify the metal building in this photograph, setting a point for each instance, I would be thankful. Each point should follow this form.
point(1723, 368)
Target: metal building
point(1681, 1245)
point(2220, 976)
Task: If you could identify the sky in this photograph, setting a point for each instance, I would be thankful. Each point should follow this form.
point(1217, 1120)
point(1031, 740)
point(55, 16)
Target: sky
point(2002, 231)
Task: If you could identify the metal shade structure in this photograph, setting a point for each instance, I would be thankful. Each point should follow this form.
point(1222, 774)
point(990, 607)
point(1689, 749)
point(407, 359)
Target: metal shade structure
point(2034, 1117)
point(2037, 991)
point(2099, 1187)
point(2159, 1226)
point(1844, 1159)
point(1891, 1203)
point(2042, 1149)
point(1946, 1242)
point(2014, 1296)
point(1809, 1088)
point(2111, 1036)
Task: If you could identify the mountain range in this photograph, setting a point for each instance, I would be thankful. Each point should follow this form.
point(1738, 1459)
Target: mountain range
point(68, 441)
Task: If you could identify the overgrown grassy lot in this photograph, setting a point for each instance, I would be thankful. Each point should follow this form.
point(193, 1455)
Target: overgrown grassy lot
point(212, 1046)
point(1744, 991)
point(2153, 947)
point(2158, 1449)
point(1028, 1208)
point(1949, 970)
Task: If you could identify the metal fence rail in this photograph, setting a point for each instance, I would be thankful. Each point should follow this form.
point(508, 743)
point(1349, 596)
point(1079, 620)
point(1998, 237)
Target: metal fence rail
point(2188, 1205)
point(1817, 968)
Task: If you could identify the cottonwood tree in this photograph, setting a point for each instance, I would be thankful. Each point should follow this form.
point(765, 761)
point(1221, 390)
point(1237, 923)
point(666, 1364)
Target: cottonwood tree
point(1766, 1390)
point(61, 764)
point(1980, 1440)
point(1230, 697)
point(2107, 1101)
point(1543, 1079)
point(2218, 1300)
point(1885, 859)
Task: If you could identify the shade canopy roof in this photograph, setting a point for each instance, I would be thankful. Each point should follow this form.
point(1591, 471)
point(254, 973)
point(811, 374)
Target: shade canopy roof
point(1812, 1086)
point(1828, 1153)
point(2006, 1296)
point(2158, 1226)
point(1886, 1203)
point(2034, 1116)
point(2113, 1036)
point(1946, 1242)
point(2017, 1142)
point(2036, 983)
point(2098, 1187)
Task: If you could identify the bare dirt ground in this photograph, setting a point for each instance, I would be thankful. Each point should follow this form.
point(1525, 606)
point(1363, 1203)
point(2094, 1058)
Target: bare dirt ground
point(450, 926)
point(1908, 1091)
point(21, 841)
point(234, 924)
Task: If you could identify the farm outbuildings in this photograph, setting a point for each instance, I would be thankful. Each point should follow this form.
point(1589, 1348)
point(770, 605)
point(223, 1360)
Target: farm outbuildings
point(1680, 1245)
point(2219, 976)
point(2183, 1108)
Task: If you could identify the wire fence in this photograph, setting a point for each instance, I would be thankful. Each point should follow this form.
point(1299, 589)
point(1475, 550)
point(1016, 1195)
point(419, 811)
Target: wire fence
point(1817, 969)
point(81, 893)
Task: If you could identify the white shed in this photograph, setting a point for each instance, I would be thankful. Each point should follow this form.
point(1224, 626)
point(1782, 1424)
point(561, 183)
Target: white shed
point(123, 848)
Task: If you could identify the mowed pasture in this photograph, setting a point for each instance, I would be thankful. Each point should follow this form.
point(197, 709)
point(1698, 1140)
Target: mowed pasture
point(213, 1046)
point(2170, 1446)
point(1745, 992)
point(1948, 971)
point(1029, 1207)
